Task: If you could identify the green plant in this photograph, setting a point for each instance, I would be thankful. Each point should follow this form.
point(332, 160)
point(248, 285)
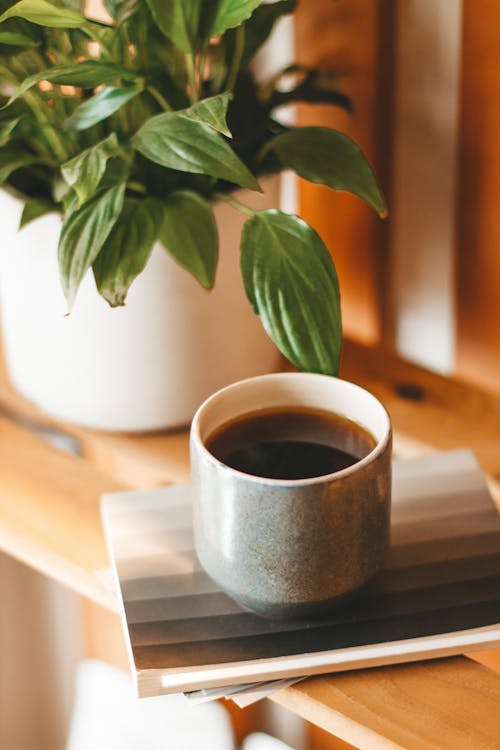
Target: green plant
point(132, 128)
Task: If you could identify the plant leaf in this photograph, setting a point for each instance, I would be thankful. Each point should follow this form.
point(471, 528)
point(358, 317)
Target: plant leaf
point(16, 39)
point(174, 141)
point(74, 4)
point(331, 158)
point(83, 234)
point(226, 14)
point(291, 282)
point(84, 171)
point(34, 208)
point(12, 159)
point(179, 20)
point(100, 106)
point(44, 14)
point(212, 111)
point(127, 249)
point(189, 233)
point(258, 28)
point(85, 75)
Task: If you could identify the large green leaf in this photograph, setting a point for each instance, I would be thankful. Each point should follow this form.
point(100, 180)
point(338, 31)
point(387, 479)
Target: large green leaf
point(127, 249)
point(179, 20)
point(85, 75)
point(331, 158)
point(83, 234)
point(84, 171)
point(16, 39)
point(226, 14)
point(34, 208)
point(189, 233)
point(102, 105)
point(291, 282)
point(212, 111)
point(12, 159)
point(44, 14)
point(259, 26)
point(175, 141)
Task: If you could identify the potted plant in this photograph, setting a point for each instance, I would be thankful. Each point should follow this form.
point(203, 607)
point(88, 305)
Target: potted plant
point(121, 137)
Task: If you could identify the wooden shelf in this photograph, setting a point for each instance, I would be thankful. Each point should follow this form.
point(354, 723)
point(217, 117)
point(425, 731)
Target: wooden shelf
point(49, 519)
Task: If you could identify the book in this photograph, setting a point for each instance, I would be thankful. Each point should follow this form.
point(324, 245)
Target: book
point(438, 595)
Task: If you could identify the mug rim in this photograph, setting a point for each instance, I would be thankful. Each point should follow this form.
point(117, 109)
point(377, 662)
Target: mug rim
point(373, 455)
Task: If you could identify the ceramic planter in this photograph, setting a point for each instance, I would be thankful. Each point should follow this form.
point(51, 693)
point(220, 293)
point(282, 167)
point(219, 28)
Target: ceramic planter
point(146, 366)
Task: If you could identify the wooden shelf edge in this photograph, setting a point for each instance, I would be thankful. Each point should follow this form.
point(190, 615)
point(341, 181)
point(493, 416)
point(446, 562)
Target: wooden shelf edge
point(447, 704)
point(57, 568)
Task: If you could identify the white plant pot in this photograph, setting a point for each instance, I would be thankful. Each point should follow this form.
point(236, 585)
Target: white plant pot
point(145, 366)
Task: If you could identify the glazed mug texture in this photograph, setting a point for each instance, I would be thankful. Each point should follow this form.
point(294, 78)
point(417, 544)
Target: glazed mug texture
point(291, 548)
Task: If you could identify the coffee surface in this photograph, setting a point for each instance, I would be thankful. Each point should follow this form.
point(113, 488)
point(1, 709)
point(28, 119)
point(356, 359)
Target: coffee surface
point(290, 443)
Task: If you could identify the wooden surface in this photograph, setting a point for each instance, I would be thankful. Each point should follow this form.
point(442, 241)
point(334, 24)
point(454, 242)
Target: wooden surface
point(49, 519)
point(478, 224)
point(452, 704)
point(49, 511)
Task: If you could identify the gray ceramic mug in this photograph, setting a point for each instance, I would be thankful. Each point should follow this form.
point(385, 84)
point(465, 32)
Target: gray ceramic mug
point(291, 548)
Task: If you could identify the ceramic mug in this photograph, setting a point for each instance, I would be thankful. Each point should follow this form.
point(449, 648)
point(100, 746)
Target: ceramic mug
point(291, 548)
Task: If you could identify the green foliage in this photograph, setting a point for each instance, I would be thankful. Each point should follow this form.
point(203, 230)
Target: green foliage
point(282, 252)
point(6, 129)
point(85, 75)
point(178, 20)
point(189, 234)
point(226, 14)
point(178, 142)
point(16, 39)
point(212, 111)
point(83, 234)
point(44, 14)
point(105, 103)
point(329, 158)
point(85, 171)
point(132, 128)
point(34, 208)
point(13, 159)
point(127, 249)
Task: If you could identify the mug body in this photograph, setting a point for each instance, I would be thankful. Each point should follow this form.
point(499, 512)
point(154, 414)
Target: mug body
point(291, 548)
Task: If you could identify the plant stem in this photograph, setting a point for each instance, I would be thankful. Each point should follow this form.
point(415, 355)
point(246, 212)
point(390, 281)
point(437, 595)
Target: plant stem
point(235, 204)
point(159, 98)
point(51, 134)
point(189, 59)
point(239, 48)
point(201, 61)
point(41, 110)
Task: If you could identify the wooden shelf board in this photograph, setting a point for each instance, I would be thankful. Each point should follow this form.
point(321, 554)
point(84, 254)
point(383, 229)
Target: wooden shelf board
point(49, 519)
point(450, 704)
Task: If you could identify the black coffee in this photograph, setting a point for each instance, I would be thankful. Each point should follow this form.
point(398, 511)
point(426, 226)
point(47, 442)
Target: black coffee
point(290, 443)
